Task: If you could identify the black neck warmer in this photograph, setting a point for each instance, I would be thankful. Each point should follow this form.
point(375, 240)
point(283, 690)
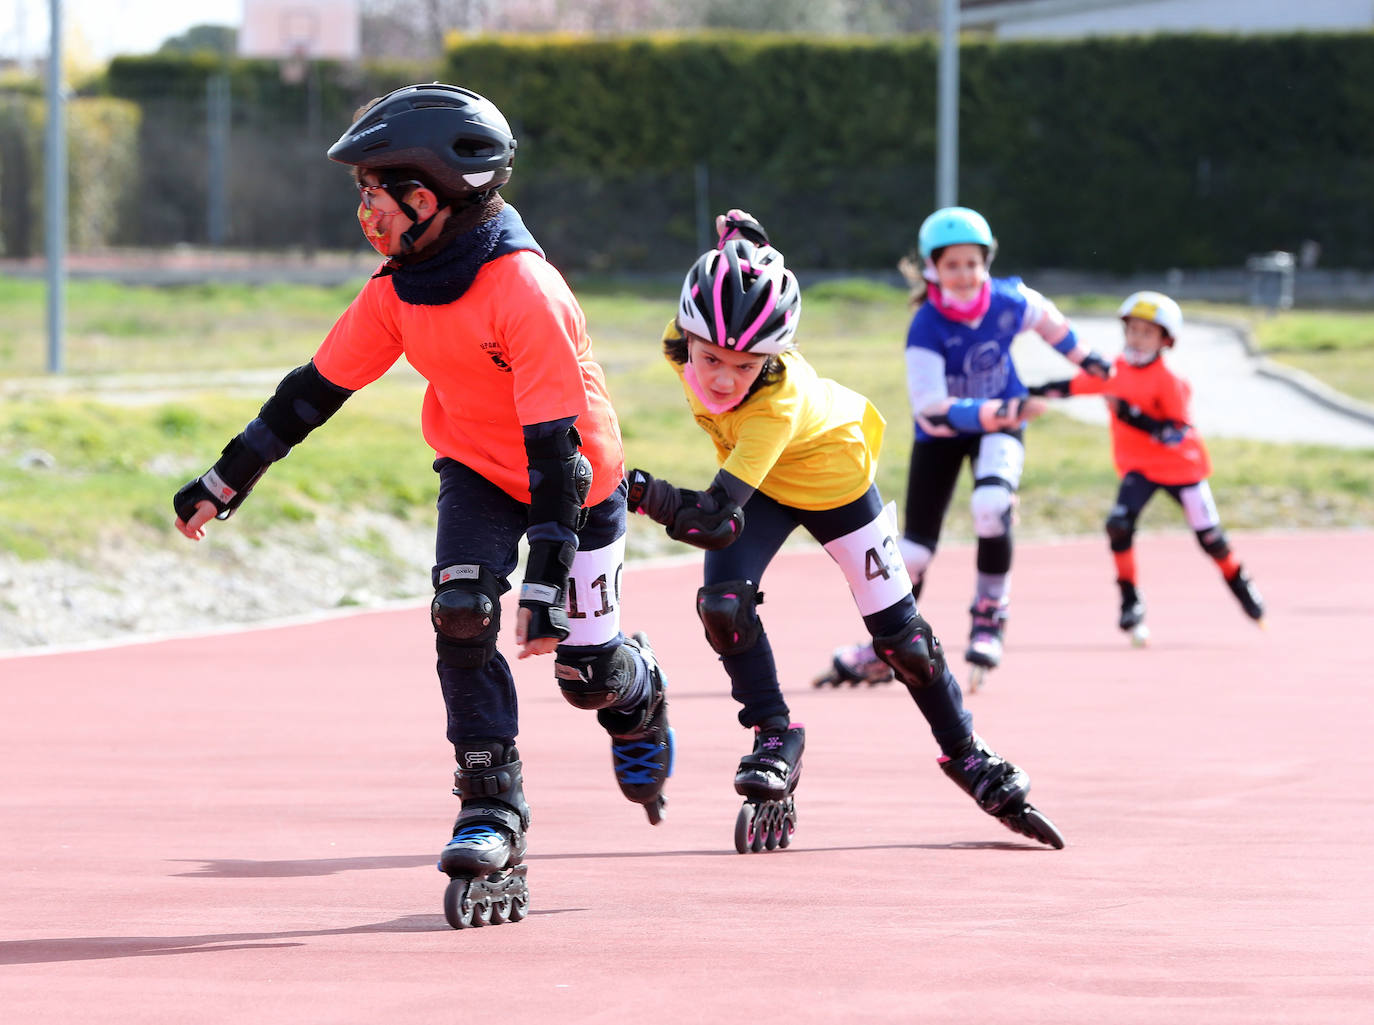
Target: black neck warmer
point(443, 277)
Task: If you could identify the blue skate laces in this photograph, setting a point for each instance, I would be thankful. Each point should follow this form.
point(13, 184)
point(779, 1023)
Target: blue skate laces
point(636, 761)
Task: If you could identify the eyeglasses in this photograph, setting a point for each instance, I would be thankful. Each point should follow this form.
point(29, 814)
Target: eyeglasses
point(367, 191)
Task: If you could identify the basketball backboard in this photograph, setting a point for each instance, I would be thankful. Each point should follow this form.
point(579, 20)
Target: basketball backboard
point(300, 29)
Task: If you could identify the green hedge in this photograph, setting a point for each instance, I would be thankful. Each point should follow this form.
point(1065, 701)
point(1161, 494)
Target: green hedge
point(1124, 154)
point(101, 165)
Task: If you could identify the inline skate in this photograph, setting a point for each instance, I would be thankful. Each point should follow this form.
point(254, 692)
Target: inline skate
point(854, 664)
point(1132, 618)
point(484, 860)
point(985, 640)
point(766, 778)
point(642, 742)
point(1000, 788)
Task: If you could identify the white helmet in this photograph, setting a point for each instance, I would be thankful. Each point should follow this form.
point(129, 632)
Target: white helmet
point(1157, 308)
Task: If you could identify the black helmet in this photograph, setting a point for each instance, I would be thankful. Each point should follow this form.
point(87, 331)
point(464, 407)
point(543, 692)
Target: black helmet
point(456, 138)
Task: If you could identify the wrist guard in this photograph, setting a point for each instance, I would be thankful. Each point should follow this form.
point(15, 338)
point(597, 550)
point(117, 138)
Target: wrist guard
point(1097, 366)
point(545, 588)
point(225, 485)
point(706, 519)
point(656, 499)
point(1050, 390)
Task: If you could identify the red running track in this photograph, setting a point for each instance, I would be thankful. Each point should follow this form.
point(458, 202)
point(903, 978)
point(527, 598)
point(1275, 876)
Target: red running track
point(242, 828)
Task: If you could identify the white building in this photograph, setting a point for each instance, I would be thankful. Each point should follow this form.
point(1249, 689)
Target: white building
point(1047, 19)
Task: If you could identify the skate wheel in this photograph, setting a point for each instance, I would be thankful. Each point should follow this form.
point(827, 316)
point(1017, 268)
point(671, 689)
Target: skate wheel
point(1031, 822)
point(520, 906)
point(1140, 635)
point(481, 912)
point(772, 831)
point(457, 908)
point(654, 810)
point(500, 910)
point(744, 828)
point(976, 677)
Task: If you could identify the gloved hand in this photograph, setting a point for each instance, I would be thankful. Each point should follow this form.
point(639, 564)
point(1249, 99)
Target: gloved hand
point(1096, 365)
point(225, 485)
point(1050, 390)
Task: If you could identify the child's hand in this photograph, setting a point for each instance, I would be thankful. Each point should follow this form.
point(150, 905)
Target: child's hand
point(934, 419)
point(1008, 414)
point(1096, 365)
point(738, 224)
point(1050, 390)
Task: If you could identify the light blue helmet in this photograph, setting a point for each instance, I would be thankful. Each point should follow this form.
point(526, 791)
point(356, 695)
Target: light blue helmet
point(952, 226)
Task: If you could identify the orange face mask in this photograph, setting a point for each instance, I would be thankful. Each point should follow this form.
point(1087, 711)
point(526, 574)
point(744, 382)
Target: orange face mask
point(376, 228)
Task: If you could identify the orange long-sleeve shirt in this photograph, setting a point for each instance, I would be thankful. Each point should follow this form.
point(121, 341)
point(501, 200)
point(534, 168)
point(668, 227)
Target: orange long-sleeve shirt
point(1157, 392)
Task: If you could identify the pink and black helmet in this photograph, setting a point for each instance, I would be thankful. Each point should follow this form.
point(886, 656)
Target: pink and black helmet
point(741, 297)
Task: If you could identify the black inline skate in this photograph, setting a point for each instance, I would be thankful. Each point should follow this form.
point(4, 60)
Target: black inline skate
point(1132, 618)
point(989, 620)
point(1244, 590)
point(642, 742)
point(1000, 789)
point(484, 860)
point(766, 778)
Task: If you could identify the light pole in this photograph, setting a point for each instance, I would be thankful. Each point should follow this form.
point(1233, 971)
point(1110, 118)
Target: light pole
point(55, 190)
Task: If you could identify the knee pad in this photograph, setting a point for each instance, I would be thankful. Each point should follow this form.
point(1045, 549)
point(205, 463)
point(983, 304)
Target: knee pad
point(1214, 542)
point(1120, 530)
point(594, 680)
point(991, 505)
point(913, 652)
point(727, 612)
point(466, 613)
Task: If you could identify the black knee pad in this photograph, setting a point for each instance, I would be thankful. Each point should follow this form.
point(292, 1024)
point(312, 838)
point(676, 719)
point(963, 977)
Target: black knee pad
point(1214, 542)
point(913, 652)
point(727, 611)
point(596, 680)
point(466, 613)
point(1120, 530)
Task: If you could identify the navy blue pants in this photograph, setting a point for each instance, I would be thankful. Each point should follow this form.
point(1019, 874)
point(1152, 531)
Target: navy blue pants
point(479, 524)
point(754, 674)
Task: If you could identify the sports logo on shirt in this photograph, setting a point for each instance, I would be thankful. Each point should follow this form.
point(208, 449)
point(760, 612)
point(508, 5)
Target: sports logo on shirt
point(493, 349)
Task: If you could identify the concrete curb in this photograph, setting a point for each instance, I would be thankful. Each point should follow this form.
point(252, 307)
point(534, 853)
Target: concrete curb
point(1299, 380)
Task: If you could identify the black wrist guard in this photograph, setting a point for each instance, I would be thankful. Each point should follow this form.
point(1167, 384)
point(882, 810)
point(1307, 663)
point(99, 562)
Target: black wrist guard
point(226, 484)
point(545, 588)
point(745, 228)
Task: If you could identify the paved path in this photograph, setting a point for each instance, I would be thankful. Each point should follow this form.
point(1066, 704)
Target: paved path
point(1232, 397)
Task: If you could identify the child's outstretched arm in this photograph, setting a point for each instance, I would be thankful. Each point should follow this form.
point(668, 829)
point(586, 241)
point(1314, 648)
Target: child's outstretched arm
point(709, 519)
point(1045, 319)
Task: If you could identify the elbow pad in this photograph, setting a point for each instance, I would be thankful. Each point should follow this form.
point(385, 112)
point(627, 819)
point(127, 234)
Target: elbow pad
point(302, 402)
point(560, 479)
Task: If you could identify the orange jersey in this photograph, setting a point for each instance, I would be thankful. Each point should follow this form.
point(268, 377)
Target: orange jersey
point(512, 351)
point(1156, 392)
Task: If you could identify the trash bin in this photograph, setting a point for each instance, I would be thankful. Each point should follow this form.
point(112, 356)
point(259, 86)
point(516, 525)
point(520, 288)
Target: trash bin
point(1271, 280)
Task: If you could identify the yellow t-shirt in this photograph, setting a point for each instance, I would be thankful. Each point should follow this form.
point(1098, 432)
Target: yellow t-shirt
point(805, 441)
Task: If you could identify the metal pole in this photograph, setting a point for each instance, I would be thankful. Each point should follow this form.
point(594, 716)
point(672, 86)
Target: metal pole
point(217, 119)
point(947, 122)
point(706, 230)
point(55, 191)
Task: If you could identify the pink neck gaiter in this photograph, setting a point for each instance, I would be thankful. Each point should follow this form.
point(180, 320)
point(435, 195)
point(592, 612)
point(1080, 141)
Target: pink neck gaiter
point(969, 311)
point(689, 372)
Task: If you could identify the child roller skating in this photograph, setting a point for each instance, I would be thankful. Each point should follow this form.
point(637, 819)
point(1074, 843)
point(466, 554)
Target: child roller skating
point(969, 408)
point(795, 450)
point(1155, 446)
point(528, 449)
point(766, 778)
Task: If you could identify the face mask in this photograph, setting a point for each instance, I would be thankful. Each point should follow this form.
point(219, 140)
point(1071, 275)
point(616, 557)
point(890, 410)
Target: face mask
point(968, 310)
point(1137, 358)
point(376, 228)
